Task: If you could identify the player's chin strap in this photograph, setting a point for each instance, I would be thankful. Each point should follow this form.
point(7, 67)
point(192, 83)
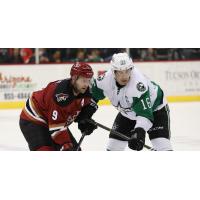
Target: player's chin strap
point(116, 133)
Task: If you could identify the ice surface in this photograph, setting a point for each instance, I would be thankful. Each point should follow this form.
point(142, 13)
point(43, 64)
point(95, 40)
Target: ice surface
point(185, 124)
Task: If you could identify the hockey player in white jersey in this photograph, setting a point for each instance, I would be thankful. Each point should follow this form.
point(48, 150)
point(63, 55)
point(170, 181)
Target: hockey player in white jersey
point(141, 103)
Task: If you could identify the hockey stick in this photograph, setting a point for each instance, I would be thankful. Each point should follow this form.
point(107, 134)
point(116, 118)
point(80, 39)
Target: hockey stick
point(80, 141)
point(116, 133)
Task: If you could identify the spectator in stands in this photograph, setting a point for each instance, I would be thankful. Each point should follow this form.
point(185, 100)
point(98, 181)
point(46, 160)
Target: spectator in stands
point(190, 53)
point(69, 54)
point(136, 54)
point(94, 56)
point(43, 55)
point(176, 54)
point(27, 55)
point(56, 58)
point(59, 55)
point(197, 53)
point(148, 54)
point(15, 56)
point(5, 55)
point(80, 56)
point(107, 53)
point(163, 54)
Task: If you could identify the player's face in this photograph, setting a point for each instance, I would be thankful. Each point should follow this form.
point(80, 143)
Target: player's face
point(122, 77)
point(81, 84)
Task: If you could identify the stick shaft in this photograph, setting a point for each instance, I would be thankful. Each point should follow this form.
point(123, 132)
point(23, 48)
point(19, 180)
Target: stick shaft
point(117, 133)
point(80, 142)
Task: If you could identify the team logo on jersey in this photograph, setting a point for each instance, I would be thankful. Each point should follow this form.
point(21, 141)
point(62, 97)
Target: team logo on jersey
point(101, 77)
point(61, 97)
point(141, 87)
point(121, 109)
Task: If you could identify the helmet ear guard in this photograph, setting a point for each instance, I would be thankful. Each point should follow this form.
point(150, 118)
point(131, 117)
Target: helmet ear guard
point(121, 61)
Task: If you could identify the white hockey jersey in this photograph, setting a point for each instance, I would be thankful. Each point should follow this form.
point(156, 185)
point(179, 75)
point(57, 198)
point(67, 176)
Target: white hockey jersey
point(136, 101)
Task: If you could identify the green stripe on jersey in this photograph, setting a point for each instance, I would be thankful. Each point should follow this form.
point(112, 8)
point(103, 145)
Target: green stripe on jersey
point(97, 93)
point(159, 98)
point(142, 106)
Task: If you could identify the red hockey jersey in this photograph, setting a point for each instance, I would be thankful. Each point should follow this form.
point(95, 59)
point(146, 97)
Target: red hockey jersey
point(55, 106)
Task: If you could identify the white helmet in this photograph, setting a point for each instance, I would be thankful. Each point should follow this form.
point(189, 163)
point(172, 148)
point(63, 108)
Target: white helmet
point(121, 61)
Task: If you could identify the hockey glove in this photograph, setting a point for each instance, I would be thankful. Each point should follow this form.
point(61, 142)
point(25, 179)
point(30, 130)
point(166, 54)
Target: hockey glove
point(87, 111)
point(137, 140)
point(86, 127)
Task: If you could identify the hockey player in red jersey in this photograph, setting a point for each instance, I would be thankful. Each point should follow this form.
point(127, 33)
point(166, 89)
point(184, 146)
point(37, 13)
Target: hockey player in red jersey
point(45, 119)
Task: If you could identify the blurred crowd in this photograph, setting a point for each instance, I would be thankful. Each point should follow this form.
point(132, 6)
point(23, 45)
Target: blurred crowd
point(62, 55)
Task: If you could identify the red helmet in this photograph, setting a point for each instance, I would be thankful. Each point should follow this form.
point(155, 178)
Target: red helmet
point(81, 69)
